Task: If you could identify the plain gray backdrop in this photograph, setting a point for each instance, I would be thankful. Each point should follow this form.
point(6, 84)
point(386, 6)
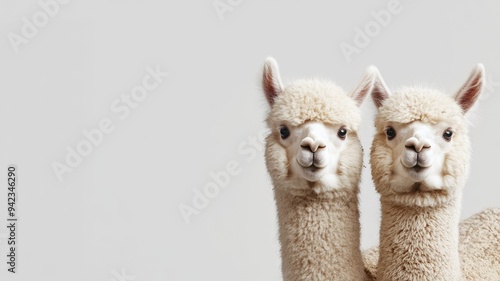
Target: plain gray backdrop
point(117, 214)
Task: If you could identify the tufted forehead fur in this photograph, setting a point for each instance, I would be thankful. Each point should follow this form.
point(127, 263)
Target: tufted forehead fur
point(411, 104)
point(315, 100)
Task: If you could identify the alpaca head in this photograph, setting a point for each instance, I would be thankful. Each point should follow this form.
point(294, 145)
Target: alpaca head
point(420, 154)
point(313, 146)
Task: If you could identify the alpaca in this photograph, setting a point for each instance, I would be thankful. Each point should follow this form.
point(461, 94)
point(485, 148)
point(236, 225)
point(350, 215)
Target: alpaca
point(314, 158)
point(479, 248)
point(420, 161)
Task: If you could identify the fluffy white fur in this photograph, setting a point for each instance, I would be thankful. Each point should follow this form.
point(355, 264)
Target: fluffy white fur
point(420, 162)
point(479, 248)
point(314, 158)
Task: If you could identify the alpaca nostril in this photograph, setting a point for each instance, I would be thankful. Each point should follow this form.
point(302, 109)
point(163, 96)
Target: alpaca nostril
point(416, 145)
point(411, 147)
point(418, 148)
point(312, 145)
point(321, 143)
point(313, 148)
point(411, 143)
point(308, 143)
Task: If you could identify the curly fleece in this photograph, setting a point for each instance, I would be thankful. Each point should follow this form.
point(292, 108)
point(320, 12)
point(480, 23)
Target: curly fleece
point(479, 248)
point(315, 100)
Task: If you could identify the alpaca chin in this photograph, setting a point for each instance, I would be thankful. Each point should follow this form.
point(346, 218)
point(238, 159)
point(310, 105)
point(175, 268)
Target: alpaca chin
point(414, 175)
point(304, 186)
point(310, 173)
point(405, 191)
point(313, 174)
point(416, 178)
point(419, 197)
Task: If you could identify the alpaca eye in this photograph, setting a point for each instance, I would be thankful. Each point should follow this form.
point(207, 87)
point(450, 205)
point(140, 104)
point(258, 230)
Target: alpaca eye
point(342, 133)
point(391, 133)
point(447, 135)
point(284, 132)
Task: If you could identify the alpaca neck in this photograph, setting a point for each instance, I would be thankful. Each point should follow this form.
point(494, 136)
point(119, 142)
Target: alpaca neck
point(419, 243)
point(319, 237)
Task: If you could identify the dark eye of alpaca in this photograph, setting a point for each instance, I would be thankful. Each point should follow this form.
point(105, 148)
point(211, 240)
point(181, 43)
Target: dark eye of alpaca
point(447, 135)
point(390, 132)
point(284, 132)
point(342, 133)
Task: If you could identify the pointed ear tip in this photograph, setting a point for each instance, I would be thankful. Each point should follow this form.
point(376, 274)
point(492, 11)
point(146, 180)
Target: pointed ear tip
point(373, 71)
point(372, 68)
point(479, 68)
point(270, 61)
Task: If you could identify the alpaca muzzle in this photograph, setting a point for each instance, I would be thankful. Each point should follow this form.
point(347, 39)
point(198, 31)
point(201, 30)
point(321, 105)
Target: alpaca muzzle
point(307, 159)
point(312, 152)
point(418, 152)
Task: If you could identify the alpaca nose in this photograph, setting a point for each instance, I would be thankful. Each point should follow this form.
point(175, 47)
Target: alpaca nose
point(313, 143)
point(418, 142)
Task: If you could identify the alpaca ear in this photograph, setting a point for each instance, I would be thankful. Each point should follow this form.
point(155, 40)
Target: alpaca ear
point(271, 81)
point(380, 91)
point(470, 91)
point(365, 86)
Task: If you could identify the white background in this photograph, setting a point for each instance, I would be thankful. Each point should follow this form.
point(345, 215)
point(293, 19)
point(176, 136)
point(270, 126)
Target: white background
point(116, 216)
